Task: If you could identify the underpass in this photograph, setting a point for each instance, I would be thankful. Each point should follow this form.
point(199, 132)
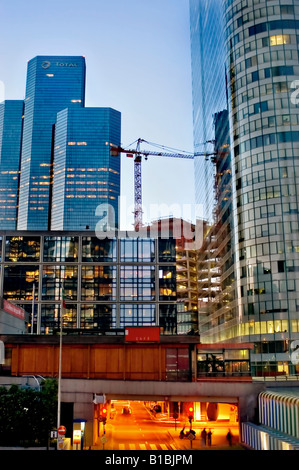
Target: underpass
point(135, 425)
point(77, 396)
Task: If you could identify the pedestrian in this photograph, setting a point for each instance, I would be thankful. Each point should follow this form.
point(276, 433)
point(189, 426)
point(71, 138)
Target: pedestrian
point(209, 437)
point(203, 437)
point(229, 437)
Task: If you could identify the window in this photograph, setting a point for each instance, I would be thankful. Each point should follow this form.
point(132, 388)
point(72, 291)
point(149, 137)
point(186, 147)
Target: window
point(137, 283)
point(60, 249)
point(98, 316)
point(137, 249)
point(98, 282)
point(279, 39)
point(167, 282)
point(94, 249)
point(22, 249)
point(56, 278)
point(19, 282)
point(137, 315)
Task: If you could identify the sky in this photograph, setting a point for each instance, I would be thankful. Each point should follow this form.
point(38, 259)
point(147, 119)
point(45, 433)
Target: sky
point(138, 61)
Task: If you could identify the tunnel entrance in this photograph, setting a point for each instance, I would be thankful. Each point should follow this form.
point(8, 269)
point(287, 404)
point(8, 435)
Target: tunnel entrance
point(135, 424)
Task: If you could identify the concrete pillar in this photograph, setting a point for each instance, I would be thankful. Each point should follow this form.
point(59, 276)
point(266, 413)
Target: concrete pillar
point(83, 410)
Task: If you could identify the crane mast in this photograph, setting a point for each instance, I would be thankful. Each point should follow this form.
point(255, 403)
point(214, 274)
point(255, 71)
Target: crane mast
point(137, 154)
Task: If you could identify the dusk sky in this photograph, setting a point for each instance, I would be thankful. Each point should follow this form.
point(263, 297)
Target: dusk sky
point(137, 61)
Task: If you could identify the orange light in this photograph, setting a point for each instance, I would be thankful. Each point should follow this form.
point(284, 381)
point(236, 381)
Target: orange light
point(191, 409)
point(104, 411)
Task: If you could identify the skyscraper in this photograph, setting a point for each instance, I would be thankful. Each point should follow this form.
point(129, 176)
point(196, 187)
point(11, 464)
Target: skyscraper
point(84, 173)
point(209, 91)
point(261, 62)
point(11, 123)
point(53, 83)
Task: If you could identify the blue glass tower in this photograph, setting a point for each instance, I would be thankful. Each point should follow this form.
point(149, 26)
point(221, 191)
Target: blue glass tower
point(84, 175)
point(53, 83)
point(11, 123)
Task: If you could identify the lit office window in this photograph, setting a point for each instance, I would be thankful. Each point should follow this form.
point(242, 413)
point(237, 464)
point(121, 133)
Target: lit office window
point(50, 317)
point(98, 283)
point(19, 282)
point(22, 248)
point(279, 39)
point(98, 316)
point(58, 278)
point(167, 282)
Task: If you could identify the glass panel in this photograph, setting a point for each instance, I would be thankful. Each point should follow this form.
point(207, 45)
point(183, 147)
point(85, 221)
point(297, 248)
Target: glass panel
point(168, 319)
point(167, 282)
point(137, 315)
point(98, 283)
point(94, 249)
point(137, 249)
point(98, 316)
point(57, 277)
point(60, 249)
point(22, 248)
point(19, 281)
point(137, 283)
point(50, 317)
point(167, 251)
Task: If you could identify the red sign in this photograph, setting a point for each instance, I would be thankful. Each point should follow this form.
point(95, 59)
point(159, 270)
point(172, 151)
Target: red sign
point(142, 334)
point(61, 430)
point(13, 309)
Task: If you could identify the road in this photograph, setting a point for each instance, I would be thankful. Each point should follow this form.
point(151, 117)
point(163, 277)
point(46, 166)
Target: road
point(136, 431)
point(141, 431)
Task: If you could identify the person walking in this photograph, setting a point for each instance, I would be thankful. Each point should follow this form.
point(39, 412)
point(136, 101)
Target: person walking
point(229, 437)
point(203, 437)
point(209, 437)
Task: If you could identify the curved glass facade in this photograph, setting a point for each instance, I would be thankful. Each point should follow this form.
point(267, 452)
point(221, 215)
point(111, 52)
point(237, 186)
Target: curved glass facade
point(261, 56)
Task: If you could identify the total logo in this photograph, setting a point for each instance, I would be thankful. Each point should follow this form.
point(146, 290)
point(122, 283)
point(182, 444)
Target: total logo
point(65, 64)
point(46, 64)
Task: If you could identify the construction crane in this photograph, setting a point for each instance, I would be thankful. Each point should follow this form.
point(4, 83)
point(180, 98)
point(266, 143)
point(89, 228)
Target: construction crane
point(137, 154)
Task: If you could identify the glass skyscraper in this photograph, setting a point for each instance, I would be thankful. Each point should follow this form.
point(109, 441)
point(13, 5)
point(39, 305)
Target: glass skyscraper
point(261, 63)
point(11, 123)
point(84, 174)
point(53, 83)
point(209, 91)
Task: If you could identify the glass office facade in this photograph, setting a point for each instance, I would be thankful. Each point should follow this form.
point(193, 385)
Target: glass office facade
point(261, 57)
point(213, 175)
point(208, 92)
point(53, 83)
point(85, 176)
point(11, 124)
point(107, 283)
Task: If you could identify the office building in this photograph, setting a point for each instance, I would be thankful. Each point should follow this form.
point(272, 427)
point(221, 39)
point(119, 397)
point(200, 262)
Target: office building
point(85, 176)
point(260, 59)
point(108, 283)
point(11, 124)
point(53, 84)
